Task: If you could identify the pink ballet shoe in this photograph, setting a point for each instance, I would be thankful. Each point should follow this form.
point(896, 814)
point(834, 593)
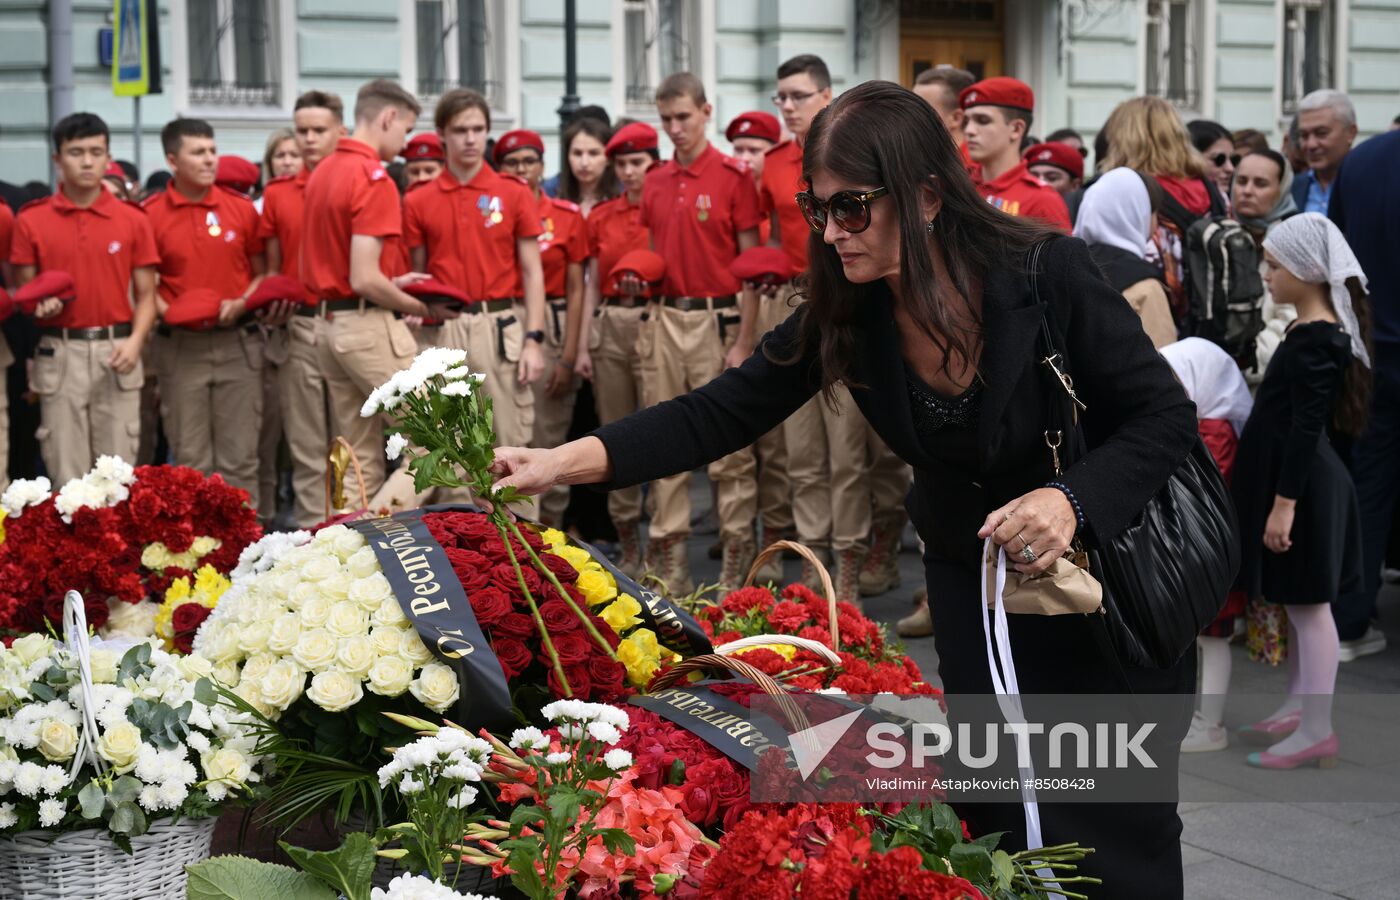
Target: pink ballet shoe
point(1271, 731)
point(1324, 753)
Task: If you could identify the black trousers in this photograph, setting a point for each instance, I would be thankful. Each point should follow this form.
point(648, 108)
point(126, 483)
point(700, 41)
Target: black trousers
point(1137, 845)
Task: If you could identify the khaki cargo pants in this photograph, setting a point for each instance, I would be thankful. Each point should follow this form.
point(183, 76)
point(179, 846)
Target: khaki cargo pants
point(302, 389)
point(86, 409)
point(211, 400)
point(774, 483)
point(680, 351)
point(553, 414)
point(617, 385)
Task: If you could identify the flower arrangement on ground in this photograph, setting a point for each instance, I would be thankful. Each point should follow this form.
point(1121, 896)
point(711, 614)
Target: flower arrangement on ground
point(119, 536)
point(187, 605)
point(164, 745)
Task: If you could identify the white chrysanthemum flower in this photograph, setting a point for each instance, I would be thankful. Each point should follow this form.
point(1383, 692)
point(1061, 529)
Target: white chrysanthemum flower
point(394, 448)
point(410, 785)
point(604, 732)
point(456, 389)
point(462, 799)
point(617, 759)
point(528, 738)
point(24, 493)
point(51, 812)
point(417, 887)
point(8, 819)
point(457, 372)
point(556, 759)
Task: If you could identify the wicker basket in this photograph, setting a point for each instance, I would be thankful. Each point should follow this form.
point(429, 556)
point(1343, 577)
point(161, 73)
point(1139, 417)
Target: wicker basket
point(828, 589)
point(87, 865)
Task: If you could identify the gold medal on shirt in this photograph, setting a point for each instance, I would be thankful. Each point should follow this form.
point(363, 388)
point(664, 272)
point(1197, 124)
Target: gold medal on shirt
point(211, 219)
point(496, 217)
point(703, 205)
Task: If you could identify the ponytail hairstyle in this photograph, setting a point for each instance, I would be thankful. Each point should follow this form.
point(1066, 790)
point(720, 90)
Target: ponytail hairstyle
point(1353, 404)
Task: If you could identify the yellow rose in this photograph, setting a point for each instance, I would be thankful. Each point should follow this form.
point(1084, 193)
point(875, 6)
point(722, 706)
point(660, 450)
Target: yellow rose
point(597, 587)
point(119, 745)
point(57, 740)
point(621, 614)
point(435, 687)
point(577, 557)
point(641, 654)
point(154, 556)
point(203, 546)
point(390, 676)
point(554, 538)
point(786, 651)
point(333, 690)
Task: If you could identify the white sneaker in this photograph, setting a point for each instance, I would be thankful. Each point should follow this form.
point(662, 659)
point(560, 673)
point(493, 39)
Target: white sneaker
point(1373, 641)
point(1204, 736)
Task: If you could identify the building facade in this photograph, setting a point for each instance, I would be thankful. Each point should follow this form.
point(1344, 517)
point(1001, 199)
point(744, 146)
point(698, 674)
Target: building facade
point(241, 63)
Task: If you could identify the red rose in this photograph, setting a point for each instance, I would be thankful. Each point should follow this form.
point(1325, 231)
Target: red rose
point(579, 682)
point(560, 568)
point(609, 677)
point(514, 656)
point(516, 625)
point(573, 648)
point(185, 621)
point(475, 528)
point(558, 618)
point(698, 802)
point(472, 579)
point(491, 605)
point(503, 575)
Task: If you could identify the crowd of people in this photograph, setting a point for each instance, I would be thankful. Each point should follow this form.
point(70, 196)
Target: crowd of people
point(232, 317)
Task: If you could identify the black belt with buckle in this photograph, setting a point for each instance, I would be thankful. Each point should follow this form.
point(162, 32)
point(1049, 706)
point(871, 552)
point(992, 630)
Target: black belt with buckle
point(557, 307)
point(328, 308)
point(623, 302)
point(691, 304)
point(98, 333)
point(303, 309)
point(491, 306)
point(171, 330)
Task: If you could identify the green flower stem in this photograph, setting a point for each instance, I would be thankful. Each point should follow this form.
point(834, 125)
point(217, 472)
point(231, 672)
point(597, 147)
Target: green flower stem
point(582, 616)
point(535, 614)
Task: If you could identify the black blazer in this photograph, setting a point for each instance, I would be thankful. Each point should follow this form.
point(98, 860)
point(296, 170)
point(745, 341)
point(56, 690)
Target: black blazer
point(1139, 423)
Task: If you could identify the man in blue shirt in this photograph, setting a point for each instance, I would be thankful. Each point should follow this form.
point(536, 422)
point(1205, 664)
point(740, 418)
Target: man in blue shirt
point(1326, 131)
point(1364, 199)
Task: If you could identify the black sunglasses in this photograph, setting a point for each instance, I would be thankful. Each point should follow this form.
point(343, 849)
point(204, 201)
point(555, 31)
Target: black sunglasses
point(850, 210)
point(1219, 159)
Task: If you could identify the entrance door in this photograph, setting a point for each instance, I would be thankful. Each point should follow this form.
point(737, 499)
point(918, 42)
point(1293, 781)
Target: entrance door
point(968, 34)
point(980, 55)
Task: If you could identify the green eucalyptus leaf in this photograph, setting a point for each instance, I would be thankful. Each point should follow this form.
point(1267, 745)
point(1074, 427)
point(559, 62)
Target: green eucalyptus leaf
point(125, 789)
point(91, 800)
point(205, 692)
point(42, 692)
point(124, 818)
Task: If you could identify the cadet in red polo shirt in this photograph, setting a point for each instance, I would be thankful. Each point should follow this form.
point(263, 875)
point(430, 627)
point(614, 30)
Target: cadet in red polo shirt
point(211, 389)
point(563, 242)
point(350, 256)
point(7, 358)
point(997, 115)
point(1058, 165)
point(87, 367)
point(477, 230)
point(702, 210)
point(318, 122)
point(423, 158)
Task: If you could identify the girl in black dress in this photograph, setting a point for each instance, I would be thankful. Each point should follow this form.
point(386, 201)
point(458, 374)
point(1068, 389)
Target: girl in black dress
point(1297, 506)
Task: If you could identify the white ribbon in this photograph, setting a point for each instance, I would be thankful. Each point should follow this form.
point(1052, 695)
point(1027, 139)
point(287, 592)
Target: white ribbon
point(997, 632)
point(75, 636)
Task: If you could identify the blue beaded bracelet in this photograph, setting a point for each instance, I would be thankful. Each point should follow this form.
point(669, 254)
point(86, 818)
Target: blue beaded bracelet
point(1073, 501)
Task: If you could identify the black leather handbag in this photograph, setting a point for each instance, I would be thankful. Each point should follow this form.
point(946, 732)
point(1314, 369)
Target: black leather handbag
point(1165, 576)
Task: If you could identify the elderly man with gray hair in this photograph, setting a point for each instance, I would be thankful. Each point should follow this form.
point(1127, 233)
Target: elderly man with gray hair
point(1326, 131)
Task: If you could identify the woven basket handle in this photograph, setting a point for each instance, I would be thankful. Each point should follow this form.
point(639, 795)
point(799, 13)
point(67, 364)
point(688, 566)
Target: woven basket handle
point(790, 640)
point(828, 588)
point(711, 661)
point(75, 636)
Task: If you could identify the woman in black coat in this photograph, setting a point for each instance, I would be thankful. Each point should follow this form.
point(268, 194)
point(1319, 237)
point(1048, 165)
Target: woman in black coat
point(919, 299)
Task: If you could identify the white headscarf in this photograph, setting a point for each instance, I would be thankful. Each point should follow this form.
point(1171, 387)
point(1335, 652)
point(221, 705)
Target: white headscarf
point(1212, 380)
point(1314, 250)
point(1116, 211)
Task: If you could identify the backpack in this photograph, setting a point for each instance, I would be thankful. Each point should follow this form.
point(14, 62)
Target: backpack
point(1223, 284)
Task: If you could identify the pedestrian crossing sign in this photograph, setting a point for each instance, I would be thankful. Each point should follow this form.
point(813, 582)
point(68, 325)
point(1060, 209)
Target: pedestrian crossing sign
point(131, 57)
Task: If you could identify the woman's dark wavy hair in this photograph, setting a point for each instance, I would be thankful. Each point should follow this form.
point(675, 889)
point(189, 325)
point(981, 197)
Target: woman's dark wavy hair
point(601, 132)
point(881, 134)
point(1352, 408)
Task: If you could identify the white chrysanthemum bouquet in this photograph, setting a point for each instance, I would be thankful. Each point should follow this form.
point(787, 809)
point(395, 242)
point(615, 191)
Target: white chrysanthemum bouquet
point(155, 741)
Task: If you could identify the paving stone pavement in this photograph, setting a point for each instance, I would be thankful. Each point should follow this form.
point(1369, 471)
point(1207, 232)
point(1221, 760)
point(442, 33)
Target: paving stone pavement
point(1236, 848)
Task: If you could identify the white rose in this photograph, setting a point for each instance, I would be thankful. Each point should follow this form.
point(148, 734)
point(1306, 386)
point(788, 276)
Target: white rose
point(412, 648)
point(57, 740)
point(104, 666)
point(120, 745)
point(281, 584)
point(334, 691)
point(31, 647)
point(362, 563)
point(281, 684)
point(368, 592)
point(226, 765)
point(336, 587)
point(315, 650)
point(134, 620)
point(194, 667)
point(390, 613)
point(223, 646)
point(315, 609)
point(302, 593)
point(347, 542)
point(319, 568)
point(257, 666)
point(435, 687)
point(253, 638)
point(355, 654)
point(346, 619)
point(390, 676)
point(227, 673)
point(282, 637)
point(385, 639)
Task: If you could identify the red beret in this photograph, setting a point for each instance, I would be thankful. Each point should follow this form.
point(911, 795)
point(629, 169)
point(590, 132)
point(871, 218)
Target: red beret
point(52, 283)
point(763, 265)
point(237, 173)
point(999, 91)
point(115, 171)
point(636, 137)
point(650, 267)
point(430, 290)
point(1061, 156)
point(754, 124)
point(520, 139)
point(277, 287)
point(424, 146)
point(197, 308)
point(7, 305)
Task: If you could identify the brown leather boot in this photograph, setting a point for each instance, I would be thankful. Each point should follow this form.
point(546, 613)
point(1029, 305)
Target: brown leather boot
point(668, 561)
point(738, 557)
point(629, 543)
point(918, 623)
point(881, 570)
point(771, 571)
point(846, 577)
point(809, 577)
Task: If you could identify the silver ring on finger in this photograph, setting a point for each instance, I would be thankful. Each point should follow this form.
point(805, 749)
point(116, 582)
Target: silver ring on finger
point(1027, 554)
point(1020, 536)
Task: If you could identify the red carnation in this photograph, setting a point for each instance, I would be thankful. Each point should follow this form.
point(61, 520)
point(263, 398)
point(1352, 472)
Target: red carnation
point(900, 873)
point(747, 600)
point(788, 617)
point(514, 656)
